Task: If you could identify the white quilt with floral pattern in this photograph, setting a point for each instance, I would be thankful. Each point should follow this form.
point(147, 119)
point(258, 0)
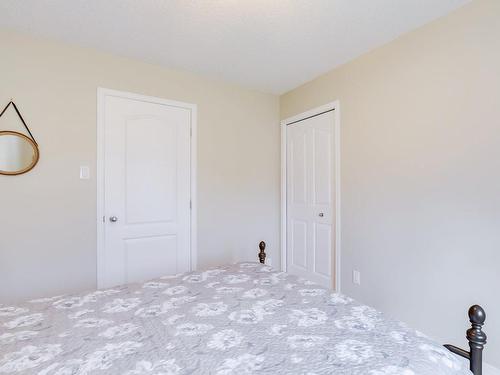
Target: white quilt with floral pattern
point(237, 319)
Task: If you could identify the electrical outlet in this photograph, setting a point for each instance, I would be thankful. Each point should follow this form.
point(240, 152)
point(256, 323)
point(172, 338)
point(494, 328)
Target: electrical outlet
point(356, 277)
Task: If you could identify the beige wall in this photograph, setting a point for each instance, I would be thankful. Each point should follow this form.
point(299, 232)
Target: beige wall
point(420, 120)
point(48, 216)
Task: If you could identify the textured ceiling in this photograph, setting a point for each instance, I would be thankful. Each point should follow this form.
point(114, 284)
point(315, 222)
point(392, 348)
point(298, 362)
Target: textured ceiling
point(269, 45)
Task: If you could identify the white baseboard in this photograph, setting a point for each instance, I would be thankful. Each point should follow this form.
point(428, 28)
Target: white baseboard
point(490, 370)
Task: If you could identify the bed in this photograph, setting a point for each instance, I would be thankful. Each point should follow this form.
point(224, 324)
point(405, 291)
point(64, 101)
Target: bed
point(237, 319)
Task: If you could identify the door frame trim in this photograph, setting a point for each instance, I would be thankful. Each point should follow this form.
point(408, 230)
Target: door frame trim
point(336, 129)
point(101, 94)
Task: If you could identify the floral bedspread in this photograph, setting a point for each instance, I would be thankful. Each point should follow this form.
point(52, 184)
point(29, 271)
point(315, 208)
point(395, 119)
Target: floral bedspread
point(237, 319)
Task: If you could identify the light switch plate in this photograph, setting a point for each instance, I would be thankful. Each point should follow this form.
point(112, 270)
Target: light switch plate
point(84, 172)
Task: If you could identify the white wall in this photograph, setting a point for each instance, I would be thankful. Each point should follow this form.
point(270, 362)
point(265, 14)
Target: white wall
point(48, 216)
point(420, 164)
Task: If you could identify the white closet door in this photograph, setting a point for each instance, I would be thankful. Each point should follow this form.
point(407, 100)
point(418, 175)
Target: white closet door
point(147, 190)
point(310, 191)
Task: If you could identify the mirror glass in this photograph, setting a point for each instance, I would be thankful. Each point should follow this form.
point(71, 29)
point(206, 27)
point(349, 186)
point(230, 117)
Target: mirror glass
point(18, 153)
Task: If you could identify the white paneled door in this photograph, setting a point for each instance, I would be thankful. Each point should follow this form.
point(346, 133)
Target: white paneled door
point(147, 190)
point(310, 192)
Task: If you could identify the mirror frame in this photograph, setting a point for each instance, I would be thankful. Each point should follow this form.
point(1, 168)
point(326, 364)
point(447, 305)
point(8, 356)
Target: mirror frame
point(36, 157)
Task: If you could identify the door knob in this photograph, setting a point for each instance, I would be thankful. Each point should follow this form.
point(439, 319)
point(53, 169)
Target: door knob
point(113, 219)
point(321, 214)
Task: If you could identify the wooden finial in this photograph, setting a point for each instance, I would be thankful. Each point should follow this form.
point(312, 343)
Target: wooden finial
point(477, 315)
point(262, 253)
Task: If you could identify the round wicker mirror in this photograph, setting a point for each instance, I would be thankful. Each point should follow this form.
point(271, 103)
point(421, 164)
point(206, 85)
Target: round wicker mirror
point(18, 153)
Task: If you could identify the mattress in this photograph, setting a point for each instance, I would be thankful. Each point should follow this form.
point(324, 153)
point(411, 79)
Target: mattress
point(236, 319)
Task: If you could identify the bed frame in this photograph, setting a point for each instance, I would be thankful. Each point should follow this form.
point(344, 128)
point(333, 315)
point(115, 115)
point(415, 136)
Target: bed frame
point(475, 334)
point(476, 338)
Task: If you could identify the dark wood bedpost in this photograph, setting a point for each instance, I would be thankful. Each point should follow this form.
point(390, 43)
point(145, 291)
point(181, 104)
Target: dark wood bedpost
point(476, 338)
point(262, 253)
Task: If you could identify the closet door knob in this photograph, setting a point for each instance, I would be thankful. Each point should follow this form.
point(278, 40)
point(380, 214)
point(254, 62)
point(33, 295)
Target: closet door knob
point(113, 219)
point(321, 214)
